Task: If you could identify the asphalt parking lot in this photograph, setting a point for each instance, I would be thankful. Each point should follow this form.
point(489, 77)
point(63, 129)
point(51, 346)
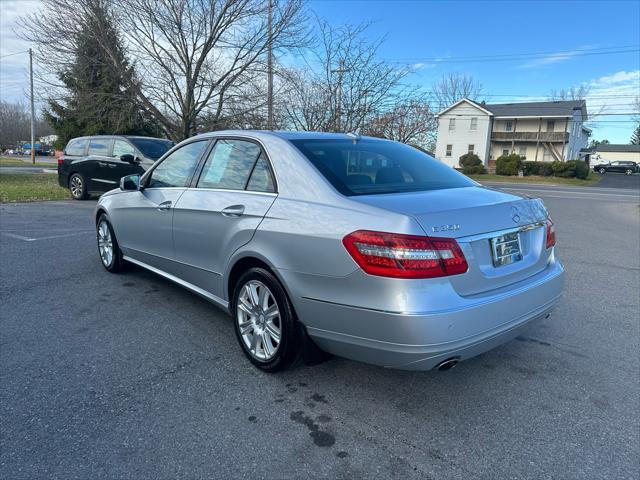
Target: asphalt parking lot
point(128, 376)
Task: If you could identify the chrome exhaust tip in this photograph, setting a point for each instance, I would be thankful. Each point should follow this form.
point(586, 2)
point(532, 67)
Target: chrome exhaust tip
point(447, 364)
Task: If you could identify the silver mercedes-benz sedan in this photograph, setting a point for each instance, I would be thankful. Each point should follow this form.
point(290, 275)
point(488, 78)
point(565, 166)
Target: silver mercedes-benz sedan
point(363, 248)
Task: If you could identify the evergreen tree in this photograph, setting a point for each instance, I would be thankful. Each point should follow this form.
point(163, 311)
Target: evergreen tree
point(98, 100)
point(635, 137)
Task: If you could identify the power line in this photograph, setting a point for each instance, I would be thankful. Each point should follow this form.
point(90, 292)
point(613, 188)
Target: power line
point(14, 53)
point(522, 56)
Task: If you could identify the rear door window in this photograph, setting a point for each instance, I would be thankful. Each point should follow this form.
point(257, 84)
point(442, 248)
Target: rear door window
point(369, 166)
point(230, 164)
point(99, 146)
point(76, 147)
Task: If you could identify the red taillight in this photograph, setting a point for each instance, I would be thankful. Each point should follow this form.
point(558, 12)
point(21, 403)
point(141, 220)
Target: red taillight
point(551, 233)
point(405, 256)
point(60, 160)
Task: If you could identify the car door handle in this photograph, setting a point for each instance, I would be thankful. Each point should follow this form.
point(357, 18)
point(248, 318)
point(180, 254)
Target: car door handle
point(165, 205)
point(102, 164)
point(233, 211)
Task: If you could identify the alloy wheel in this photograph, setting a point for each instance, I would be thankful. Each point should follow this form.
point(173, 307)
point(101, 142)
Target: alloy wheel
point(76, 186)
point(105, 243)
point(258, 318)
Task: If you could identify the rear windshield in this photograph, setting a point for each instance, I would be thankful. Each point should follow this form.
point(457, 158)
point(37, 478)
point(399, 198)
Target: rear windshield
point(151, 147)
point(369, 167)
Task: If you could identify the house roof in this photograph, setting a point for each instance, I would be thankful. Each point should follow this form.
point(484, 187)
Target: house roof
point(617, 148)
point(563, 108)
point(538, 109)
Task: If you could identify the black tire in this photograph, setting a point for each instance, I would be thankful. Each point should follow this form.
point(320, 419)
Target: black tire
point(602, 171)
point(78, 187)
point(289, 349)
point(116, 263)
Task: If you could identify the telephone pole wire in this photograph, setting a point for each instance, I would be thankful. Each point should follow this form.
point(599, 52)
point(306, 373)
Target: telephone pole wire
point(33, 145)
point(270, 70)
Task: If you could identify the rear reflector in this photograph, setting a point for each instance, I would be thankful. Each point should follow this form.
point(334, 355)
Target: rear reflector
point(60, 160)
point(551, 233)
point(405, 256)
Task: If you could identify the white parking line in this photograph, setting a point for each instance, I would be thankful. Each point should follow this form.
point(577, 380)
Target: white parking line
point(35, 239)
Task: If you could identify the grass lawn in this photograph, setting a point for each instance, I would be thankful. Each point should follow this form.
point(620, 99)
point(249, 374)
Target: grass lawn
point(590, 180)
point(16, 162)
point(31, 187)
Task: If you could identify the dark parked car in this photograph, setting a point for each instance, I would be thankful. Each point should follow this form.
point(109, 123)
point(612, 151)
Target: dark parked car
point(97, 163)
point(617, 167)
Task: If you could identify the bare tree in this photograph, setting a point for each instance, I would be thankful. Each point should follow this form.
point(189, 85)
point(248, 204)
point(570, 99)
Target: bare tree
point(413, 123)
point(572, 93)
point(15, 124)
point(344, 82)
point(453, 87)
point(193, 58)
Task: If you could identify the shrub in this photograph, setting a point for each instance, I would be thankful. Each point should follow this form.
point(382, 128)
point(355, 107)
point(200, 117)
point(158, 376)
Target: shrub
point(474, 170)
point(470, 160)
point(563, 169)
point(531, 168)
point(508, 164)
point(582, 169)
point(545, 169)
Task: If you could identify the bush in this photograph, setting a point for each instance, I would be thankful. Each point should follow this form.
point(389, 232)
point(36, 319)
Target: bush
point(508, 164)
point(470, 160)
point(543, 169)
point(563, 169)
point(474, 170)
point(582, 169)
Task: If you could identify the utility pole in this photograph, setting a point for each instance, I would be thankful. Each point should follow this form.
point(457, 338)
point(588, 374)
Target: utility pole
point(33, 145)
point(270, 70)
point(340, 70)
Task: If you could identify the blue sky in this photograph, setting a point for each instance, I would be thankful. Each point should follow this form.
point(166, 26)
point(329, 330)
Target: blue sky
point(434, 36)
point(419, 31)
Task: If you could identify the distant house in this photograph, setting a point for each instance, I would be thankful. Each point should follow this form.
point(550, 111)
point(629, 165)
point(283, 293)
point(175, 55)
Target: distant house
point(615, 153)
point(543, 131)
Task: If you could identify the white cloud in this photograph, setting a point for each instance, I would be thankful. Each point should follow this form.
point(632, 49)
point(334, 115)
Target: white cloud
point(550, 59)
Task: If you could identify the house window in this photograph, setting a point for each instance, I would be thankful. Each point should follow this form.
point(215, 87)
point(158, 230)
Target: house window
point(546, 157)
point(471, 148)
point(508, 126)
point(449, 149)
point(452, 124)
point(505, 152)
point(474, 124)
point(522, 151)
point(551, 125)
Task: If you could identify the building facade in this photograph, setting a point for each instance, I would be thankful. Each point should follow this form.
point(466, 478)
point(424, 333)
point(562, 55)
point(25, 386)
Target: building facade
point(542, 131)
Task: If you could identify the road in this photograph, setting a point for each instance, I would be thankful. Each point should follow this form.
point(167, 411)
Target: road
point(128, 376)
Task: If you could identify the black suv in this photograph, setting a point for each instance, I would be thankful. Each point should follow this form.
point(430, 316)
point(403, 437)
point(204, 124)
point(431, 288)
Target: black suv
point(97, 163)
point(619, 167)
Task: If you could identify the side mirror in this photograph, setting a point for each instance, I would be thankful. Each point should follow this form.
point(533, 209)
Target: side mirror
point(127, 157)
point(130, 183)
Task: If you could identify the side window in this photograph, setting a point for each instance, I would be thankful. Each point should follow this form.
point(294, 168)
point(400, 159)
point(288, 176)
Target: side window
point(76, 147)
point(120, 147)
point(229, 165)
point(99, 146)
point(261, 179)
point(175, 170)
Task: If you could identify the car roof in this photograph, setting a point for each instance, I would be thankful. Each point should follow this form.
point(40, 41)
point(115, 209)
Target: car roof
point(287, 135)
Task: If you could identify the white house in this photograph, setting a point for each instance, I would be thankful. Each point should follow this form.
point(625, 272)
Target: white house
point(543, 131)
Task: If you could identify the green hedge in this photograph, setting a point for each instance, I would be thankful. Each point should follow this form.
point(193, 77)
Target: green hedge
point(570, 169)
point(508, 164)
point(474, 170)
point(470, 160)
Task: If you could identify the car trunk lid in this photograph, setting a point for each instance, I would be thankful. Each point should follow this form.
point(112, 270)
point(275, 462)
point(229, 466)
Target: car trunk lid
point(474, 216)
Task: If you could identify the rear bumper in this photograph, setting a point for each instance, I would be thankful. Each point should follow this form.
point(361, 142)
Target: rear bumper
point(420, 340)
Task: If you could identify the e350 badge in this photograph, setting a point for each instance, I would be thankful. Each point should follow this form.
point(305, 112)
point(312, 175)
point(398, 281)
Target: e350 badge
point(446, 228)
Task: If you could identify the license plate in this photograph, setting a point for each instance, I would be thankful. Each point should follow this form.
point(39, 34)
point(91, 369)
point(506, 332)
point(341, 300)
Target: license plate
point(505, 249)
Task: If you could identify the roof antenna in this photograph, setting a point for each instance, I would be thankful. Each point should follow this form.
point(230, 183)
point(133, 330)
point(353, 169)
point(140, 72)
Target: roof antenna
point(355, 136)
